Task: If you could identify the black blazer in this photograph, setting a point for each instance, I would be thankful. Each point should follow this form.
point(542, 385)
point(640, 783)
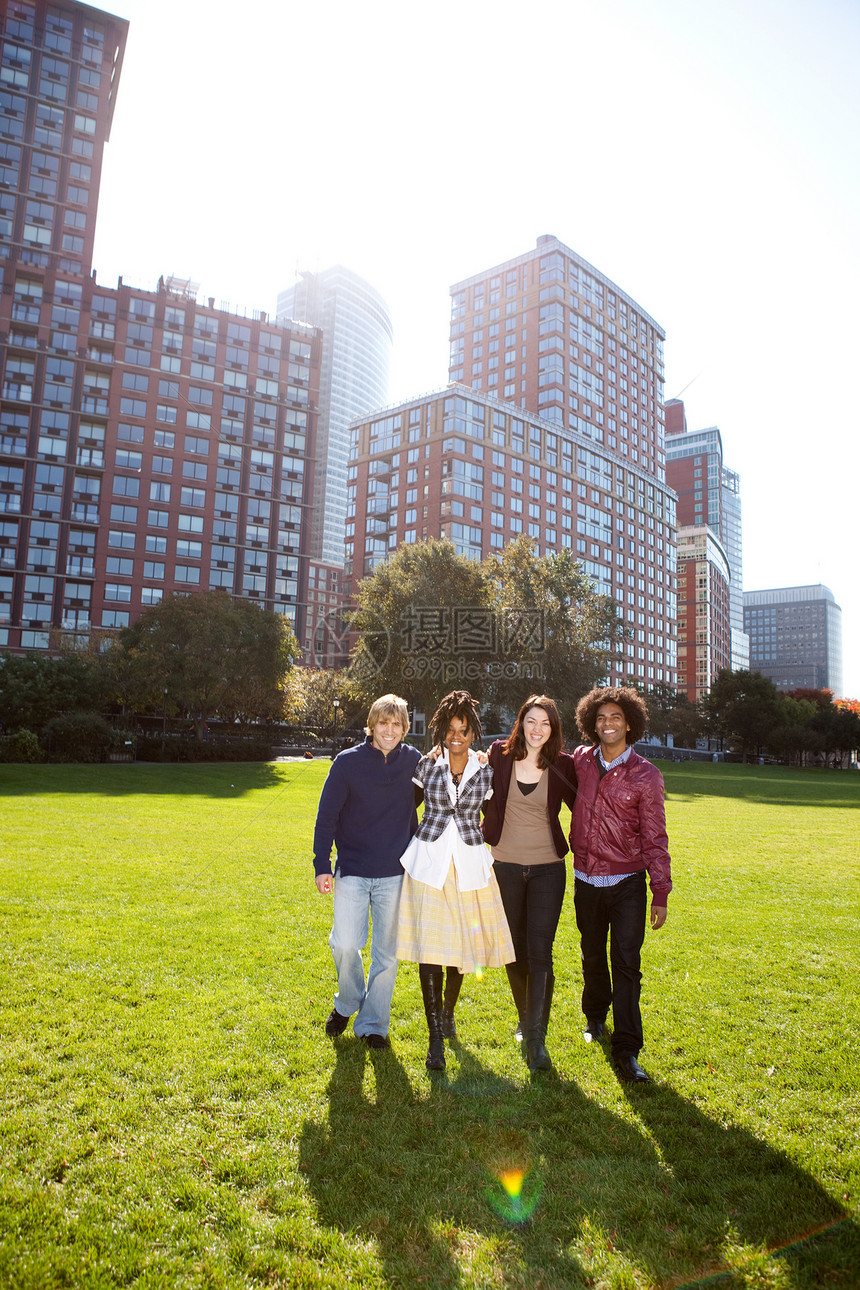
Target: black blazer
point(561, 787)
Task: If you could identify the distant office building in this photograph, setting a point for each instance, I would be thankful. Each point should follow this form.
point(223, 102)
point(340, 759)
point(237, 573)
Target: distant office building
point(796, 637)
point(550, 334)
point(709, 495)
point(704, 632)
point(459, 464)
point(356, 361)
point(148, 443)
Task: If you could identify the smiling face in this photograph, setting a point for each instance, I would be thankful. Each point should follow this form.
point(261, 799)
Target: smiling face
point(537, 728)
point(458, 738)
point(612, 727)
point(386, 734)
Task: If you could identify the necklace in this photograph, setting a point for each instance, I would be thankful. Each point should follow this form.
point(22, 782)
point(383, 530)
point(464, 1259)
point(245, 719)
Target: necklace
point(456, 776)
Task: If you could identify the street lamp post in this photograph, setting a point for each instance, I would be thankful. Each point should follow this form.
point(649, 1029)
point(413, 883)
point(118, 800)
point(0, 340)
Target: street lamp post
point(164, 719)
point(334, 736)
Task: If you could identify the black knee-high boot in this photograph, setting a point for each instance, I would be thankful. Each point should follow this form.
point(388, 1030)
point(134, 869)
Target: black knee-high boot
point(430, 975)
point(538, 1004)
point(517, 980)
point(453, 981)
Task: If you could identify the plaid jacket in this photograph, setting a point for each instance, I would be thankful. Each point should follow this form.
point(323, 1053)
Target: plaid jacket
point(438, 807)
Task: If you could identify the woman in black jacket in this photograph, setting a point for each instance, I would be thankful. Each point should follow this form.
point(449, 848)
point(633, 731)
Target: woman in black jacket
point(532, 776)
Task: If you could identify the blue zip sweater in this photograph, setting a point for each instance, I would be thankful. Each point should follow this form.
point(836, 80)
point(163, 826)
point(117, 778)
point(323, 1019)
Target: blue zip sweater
point(367, 809)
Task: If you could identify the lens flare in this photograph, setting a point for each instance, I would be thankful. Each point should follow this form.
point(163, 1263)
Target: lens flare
point(476, 927)
point(514, 1195)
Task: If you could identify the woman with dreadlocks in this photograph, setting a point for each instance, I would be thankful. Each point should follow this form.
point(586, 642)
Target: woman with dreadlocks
point(451, 913)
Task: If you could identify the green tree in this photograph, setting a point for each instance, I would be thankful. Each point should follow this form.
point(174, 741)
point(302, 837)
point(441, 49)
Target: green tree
point(205, 656)
point(412, 615)
point(670, 712)
point(742, 707)
point(792, 736)
point(33, 689)
point(559, 634)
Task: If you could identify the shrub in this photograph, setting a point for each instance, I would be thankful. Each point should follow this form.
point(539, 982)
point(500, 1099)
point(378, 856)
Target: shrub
point(21, 747)
point(79, 736)
point(184, 749)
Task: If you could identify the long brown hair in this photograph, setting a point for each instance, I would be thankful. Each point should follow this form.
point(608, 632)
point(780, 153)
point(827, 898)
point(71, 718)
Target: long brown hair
point(515, 744)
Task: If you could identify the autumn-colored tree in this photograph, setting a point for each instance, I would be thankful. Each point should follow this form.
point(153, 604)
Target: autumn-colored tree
point(311, 695)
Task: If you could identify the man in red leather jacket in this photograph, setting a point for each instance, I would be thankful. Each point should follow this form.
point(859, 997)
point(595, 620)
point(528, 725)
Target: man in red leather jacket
point(618, 835)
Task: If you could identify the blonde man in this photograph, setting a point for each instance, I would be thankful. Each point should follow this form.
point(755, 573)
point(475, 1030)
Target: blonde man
point(367, 810)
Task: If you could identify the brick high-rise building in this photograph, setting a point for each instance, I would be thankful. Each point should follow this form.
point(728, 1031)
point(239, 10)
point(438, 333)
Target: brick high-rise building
point(148, 443)
point(709, 495)
point(704, 632)
point(60, 67)
point(459, 464)
point(560, 437)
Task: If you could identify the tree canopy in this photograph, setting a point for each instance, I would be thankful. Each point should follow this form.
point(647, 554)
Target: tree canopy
point(422, 618)
point(557, 634)
point(205, 656)
point(431, 621)
point(34, 688)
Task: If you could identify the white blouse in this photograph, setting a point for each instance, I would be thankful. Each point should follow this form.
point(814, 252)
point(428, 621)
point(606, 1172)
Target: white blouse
point(429, 862)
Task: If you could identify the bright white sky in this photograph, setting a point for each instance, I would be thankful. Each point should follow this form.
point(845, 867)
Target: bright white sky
point(706, 157)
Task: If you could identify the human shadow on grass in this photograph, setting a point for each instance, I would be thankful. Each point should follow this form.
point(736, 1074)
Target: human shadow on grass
point(723, 1188)
point(222, 781)
point(420, 1174)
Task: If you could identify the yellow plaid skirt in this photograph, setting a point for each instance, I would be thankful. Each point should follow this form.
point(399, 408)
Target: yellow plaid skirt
point(462, 929)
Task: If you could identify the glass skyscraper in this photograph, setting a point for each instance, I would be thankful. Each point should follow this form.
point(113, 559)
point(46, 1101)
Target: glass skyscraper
point(356, 360)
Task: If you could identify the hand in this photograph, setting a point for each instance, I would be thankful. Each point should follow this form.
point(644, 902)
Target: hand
point(434, 752)
point(482, 757)
point(658, 916)
point(325, 884)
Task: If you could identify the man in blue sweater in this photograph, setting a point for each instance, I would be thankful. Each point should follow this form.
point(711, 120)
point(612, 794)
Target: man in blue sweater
point(367, 809)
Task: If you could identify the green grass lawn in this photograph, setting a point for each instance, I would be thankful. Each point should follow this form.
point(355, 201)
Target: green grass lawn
point(173, 1115)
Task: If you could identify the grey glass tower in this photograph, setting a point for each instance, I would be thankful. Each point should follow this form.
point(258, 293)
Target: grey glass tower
point(356, 360)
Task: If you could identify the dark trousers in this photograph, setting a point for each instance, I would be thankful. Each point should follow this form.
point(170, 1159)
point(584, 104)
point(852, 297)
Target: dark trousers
point(620, 912)
point(532, 896)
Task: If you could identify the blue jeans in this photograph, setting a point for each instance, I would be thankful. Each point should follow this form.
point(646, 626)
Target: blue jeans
point(619, 911)
point(357, 901)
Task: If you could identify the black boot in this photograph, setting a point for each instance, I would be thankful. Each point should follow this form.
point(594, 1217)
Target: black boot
point(538, 1004)
point(453, 981)
point(517, 980)
point(430, 975)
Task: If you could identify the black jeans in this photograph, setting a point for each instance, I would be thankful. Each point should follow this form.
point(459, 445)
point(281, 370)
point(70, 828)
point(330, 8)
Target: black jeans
point(532, 896)
point(619, 911)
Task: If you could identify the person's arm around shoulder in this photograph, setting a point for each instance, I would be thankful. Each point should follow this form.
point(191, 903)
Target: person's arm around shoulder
point(564, 768)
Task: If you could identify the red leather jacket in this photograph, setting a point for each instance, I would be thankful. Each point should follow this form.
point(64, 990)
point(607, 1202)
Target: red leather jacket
point(619, 822)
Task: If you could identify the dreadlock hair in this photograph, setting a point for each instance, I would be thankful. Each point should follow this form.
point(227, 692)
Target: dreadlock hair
point(515, 744)
point(625, 697)
point(459, 704)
